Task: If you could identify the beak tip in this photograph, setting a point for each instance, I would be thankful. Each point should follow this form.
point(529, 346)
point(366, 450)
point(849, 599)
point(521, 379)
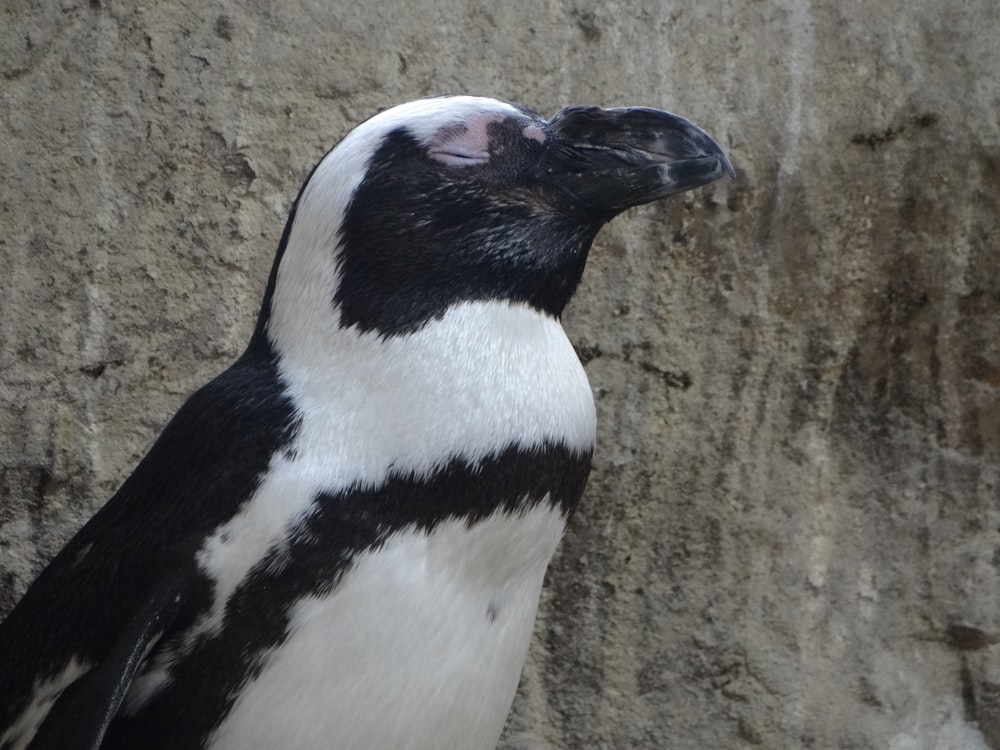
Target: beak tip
point(714, 148)
point(727, 166)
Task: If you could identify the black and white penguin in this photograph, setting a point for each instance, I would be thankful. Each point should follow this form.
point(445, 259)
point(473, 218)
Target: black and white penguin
point(340, 541)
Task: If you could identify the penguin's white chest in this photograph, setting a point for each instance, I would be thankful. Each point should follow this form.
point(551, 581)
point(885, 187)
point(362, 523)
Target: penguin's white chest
point(418, 647)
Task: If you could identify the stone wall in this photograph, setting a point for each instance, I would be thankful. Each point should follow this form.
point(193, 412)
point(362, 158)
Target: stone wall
point(792, 535)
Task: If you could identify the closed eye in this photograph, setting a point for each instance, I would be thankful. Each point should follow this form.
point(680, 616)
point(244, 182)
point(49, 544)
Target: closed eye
point(460, 158)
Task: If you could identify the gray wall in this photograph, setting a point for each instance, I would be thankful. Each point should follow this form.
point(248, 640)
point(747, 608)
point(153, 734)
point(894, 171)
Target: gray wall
point(800, 548)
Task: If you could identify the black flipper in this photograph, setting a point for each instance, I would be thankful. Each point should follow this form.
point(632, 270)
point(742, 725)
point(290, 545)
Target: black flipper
point(82, 714)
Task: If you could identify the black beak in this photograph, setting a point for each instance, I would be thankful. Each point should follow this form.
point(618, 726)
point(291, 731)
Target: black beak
point(607, 160)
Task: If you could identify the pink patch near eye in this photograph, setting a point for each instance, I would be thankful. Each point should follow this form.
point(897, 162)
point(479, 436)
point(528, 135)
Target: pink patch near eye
point(466, 144)
point(534, 132)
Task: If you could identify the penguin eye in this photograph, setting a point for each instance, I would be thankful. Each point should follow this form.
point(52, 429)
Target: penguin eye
point(457, 157)
point(464, 144)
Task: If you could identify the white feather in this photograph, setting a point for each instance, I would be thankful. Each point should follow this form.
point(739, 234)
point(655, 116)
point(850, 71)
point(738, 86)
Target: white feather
point(419, 648)
point(45, 693)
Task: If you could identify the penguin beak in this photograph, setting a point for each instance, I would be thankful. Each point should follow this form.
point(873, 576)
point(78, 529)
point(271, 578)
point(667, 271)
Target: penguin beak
point(607, 160)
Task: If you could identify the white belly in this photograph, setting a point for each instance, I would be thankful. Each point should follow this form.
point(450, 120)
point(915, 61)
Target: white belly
point(419, 647)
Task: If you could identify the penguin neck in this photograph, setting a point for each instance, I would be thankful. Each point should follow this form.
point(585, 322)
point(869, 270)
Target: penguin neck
point(483, 377)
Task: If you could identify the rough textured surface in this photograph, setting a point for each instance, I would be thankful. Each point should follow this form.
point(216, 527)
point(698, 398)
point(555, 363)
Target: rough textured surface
point(792, 535)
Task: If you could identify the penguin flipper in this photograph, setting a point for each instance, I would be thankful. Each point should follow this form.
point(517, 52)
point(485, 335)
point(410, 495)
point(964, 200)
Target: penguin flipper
point(80, 717)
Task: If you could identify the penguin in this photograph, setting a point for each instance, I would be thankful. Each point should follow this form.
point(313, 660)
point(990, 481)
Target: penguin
point(340, 541)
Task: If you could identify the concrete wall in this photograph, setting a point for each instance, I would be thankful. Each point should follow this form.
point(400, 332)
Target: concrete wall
point(792, 535)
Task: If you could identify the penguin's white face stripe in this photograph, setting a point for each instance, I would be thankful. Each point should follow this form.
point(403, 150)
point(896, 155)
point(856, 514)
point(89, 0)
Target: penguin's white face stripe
point(340, 172)
point(486, 376)
point(432, 629)
point(45, 693)
point(452, 129)
point(427, 118)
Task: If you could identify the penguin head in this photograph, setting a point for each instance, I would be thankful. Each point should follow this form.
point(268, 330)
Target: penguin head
point(464, 199)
